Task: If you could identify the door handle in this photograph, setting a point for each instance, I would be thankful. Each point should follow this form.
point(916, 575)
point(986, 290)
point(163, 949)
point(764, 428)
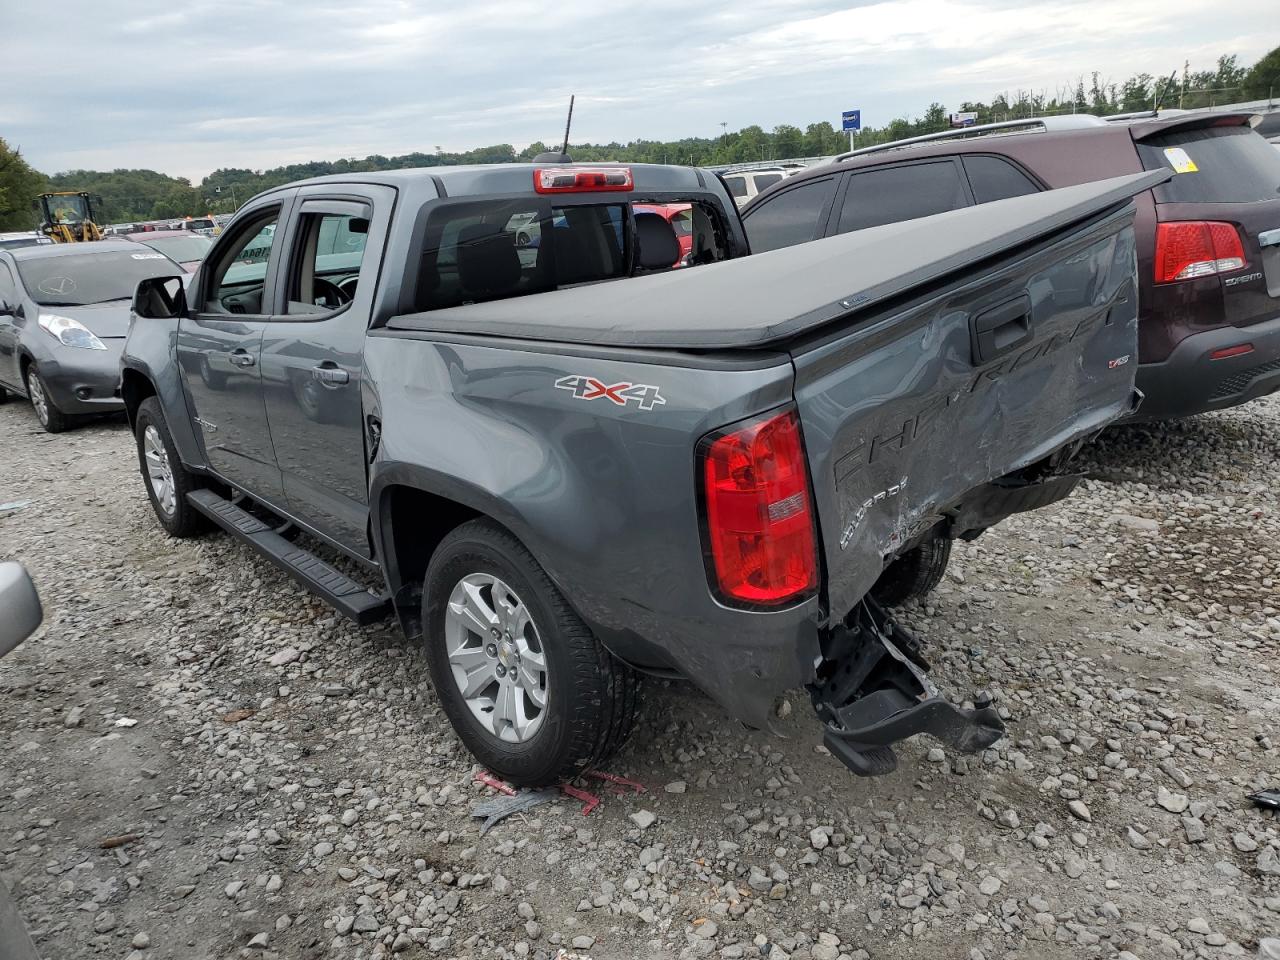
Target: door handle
point(242, 358)
point(1269, 238)
point(329, 372)
point(1002, 328)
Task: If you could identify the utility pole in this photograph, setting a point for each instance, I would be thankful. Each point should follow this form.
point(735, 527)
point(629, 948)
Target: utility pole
point(1186, 67)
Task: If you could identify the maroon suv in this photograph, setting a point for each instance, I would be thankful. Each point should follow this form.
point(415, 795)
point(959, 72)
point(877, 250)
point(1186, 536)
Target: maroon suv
point(1208, 239)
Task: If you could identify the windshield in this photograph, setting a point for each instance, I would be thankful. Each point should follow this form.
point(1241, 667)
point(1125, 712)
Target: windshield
point(1213, 165)
point(182, 249)
point(67, 209)
point(78, 279)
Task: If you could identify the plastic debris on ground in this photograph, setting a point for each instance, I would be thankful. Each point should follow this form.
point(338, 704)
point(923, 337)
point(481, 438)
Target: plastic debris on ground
point(1267, 799)
point(499, 808)
point(13, 506)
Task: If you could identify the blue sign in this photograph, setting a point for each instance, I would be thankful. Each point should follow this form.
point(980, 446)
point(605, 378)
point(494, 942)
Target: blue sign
point(852, 120)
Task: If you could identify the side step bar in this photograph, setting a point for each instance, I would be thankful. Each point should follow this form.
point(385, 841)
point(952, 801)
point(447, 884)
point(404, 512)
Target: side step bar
point(340, 591)
point(872, 692)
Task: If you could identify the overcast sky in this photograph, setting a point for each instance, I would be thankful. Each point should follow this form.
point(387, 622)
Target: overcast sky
point(186, 86)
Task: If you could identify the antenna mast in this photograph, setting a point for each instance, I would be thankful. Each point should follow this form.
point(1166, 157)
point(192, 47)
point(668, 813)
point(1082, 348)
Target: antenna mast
point(567, 123)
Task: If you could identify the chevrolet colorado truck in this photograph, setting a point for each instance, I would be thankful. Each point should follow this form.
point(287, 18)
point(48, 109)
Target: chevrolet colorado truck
point(563, 464)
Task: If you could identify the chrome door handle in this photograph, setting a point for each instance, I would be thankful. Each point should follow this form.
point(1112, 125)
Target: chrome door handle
point(1270, 238)
point(242, 358)
point(328, 374)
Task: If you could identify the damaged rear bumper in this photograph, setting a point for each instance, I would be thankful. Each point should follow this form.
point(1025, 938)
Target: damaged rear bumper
point(873, 691)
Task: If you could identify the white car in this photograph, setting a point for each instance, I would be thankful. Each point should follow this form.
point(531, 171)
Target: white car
point(745, 184)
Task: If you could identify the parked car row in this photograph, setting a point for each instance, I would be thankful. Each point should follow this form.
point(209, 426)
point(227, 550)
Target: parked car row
point(1208, 239)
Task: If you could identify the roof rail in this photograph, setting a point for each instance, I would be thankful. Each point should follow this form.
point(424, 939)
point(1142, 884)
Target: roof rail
point(1132, 115)
point(1069, 121)
point(765, 164)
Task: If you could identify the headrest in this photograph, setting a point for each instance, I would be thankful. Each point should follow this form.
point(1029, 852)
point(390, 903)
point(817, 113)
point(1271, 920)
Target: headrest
point(488, 264)
point(656, 239)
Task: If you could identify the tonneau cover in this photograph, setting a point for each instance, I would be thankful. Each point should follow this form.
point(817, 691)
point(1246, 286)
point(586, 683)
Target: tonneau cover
point(765, 298)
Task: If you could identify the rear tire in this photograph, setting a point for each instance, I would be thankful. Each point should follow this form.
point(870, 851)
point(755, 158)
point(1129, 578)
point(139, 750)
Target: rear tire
point(914, 574)
point(51, 418)
point(589, 699)
point(166, 479)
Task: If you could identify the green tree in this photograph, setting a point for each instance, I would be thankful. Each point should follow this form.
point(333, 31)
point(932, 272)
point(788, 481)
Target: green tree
point(1262, 81)
point(19, 185)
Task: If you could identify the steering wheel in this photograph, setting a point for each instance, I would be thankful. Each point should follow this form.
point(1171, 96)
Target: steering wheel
point(327, 293)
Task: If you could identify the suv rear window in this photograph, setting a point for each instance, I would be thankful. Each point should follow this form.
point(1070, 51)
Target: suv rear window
point(1232, 165)
point(494, 249)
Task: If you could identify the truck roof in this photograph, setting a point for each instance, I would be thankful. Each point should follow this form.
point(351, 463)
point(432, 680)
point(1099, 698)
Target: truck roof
point(508, 178)
point(766, 298)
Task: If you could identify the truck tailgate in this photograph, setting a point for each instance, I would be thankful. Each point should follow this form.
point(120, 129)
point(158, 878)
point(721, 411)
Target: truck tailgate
point(912, 408)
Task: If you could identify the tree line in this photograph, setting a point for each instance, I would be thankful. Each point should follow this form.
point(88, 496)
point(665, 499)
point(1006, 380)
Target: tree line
point(131, 195)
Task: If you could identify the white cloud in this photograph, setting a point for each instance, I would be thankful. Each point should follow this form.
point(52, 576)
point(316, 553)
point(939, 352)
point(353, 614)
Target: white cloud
point(263, 82)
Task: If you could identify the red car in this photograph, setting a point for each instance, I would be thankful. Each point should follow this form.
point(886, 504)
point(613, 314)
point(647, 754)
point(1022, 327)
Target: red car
point(182, 246)
point(680, 216)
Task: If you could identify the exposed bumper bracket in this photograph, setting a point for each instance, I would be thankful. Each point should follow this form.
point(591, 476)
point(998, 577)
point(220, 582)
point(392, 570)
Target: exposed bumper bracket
point(873, 691)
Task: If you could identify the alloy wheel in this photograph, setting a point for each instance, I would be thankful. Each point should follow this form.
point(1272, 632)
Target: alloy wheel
point(159, 470)
point(35, 390)
point(497, 658)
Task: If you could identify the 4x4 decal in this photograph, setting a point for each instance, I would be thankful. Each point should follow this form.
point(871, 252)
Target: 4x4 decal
point(589, 388)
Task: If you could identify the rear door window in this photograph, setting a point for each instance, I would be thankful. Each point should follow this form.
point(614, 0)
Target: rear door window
point(790, 216)
point(493, 249)
point(737, 186)
point(893, 194)
point(764, 181)
point(1213, 165)
point(993, 178)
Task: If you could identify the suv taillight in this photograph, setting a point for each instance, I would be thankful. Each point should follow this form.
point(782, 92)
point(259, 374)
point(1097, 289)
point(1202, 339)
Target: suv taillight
point(759, 517)
point(1186, 249)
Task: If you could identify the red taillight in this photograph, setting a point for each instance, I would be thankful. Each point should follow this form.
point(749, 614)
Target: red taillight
point(759, 517)
point(1186, 249)
point(1239, 350)
point(581, 179)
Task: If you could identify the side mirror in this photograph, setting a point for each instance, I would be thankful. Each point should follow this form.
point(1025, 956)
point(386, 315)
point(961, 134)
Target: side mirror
point(160, 298)
point(20, 611)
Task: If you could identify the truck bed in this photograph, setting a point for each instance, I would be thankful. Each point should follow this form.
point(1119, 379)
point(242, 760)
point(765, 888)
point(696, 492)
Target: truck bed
point(765, 299)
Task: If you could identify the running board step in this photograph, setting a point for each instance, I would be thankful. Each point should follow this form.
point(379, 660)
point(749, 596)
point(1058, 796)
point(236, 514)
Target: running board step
point(873, 691)
point(338, 590)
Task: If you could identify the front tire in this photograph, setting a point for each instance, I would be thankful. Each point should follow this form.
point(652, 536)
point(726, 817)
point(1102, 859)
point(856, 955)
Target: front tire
point(914, 574)
point(51, 418)
point(530, 691)
point(166, 479)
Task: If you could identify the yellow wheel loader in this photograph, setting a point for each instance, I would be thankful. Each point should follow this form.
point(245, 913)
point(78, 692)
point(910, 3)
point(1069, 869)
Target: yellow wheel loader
point(68, 217)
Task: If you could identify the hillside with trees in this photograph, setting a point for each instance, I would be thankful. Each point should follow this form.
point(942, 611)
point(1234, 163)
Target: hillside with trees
point(129, 195)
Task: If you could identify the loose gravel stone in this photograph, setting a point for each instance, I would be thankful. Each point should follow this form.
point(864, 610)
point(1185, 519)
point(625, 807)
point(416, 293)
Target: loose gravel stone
point(292, 781)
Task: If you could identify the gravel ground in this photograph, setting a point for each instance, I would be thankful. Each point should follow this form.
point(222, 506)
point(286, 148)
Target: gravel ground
point(281, 783)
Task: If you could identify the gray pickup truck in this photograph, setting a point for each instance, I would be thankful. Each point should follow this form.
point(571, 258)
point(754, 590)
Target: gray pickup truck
point(570, 446)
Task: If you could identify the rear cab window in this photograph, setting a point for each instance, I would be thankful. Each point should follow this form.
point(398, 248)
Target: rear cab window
point(1213, 165)
point(475, 251)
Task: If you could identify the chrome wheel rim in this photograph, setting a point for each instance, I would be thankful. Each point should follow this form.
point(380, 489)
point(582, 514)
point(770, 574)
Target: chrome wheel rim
point(35, 389)
point(496, 657)
point(159, 472)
